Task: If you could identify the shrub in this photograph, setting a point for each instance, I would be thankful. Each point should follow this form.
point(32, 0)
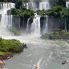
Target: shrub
point(14, 46)
point(22, 12)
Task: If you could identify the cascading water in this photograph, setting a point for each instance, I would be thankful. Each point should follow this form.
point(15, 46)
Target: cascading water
point(28, 29)
point(45, 30)
point(67, 4)
point(35, 27)
point(44, 5)
point(6, 20)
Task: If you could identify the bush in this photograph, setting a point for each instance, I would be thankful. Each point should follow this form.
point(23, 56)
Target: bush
point(22, 12)
point(14, 46)
point(41, 12)
point(57, 35)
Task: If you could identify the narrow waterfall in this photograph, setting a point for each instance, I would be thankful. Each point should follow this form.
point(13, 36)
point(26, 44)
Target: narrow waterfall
point(6, 20)
point(67, 4)
point(35, 27)
point(46, 25)
point(28, 29)
point(27, 5)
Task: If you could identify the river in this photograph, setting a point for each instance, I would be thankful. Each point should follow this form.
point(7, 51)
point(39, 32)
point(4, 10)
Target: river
point(48, 54)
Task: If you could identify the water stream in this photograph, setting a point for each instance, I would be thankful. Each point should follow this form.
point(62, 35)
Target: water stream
point(45, 53)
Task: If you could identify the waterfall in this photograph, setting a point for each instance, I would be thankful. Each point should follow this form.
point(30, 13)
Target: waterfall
point(36, 5)
point(28, 29)
point(27, 5)
point(67, 4)
point(46, 25)
point(35, 27)
point(6, 20)
point(5, 7)
point(44, 5)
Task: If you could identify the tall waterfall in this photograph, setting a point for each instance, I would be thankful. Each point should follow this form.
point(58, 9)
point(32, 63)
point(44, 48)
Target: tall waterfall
point(46, 25)
point(6, 20)
point(35, 27)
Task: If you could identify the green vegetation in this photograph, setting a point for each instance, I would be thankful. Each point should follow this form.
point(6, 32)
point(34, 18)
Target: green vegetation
point(41, 12)
point(12, 45)
point(22, 12)
point(61, 2)
point(15, 31)
point(4, 53)
point(58, 11)
point(57, 35)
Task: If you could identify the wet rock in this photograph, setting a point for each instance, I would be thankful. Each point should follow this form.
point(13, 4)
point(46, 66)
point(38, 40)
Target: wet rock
point(64, 62)
point(25, 46)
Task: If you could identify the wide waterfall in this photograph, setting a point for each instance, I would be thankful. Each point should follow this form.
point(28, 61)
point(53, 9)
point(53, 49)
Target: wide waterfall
point(6, 20)
point(35, 26)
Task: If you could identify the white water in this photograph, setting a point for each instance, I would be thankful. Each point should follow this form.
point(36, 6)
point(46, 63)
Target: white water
point(35, 27)
point(27, 5)
point(46, 25)
point(44, 5)
point(6, 20)
point(34, 5)
point(67, 4)
point(28, 29)
point(45, 28)
point(5, 7)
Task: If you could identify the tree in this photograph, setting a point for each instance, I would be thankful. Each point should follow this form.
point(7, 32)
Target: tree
point(61, 2)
